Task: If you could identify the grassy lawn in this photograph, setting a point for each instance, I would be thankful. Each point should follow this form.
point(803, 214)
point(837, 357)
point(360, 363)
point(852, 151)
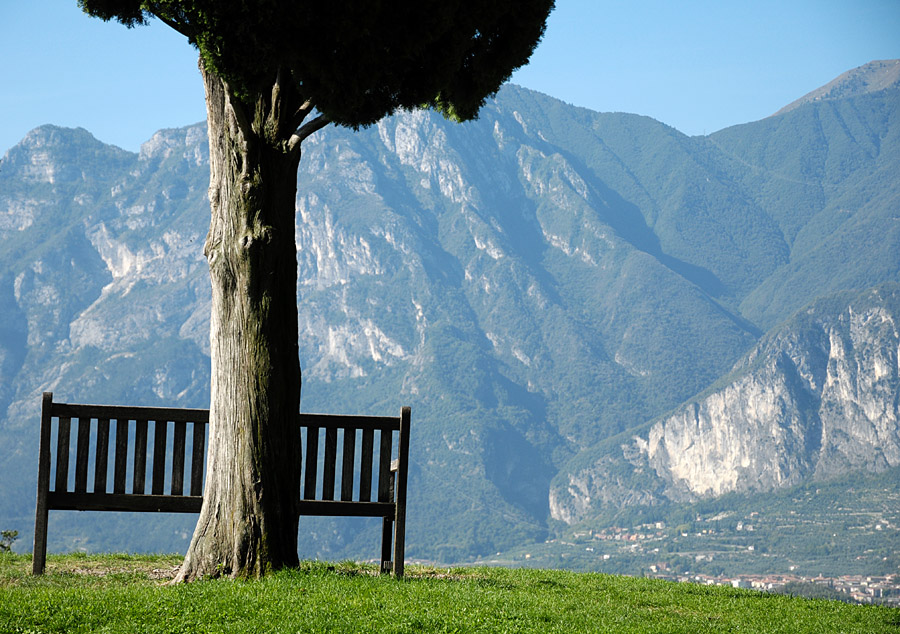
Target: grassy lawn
point(121, 593)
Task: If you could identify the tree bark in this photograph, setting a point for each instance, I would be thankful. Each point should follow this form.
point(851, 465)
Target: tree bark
point(248, 522)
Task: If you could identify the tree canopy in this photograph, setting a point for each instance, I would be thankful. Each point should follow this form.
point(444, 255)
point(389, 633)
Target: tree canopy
point(356, 61)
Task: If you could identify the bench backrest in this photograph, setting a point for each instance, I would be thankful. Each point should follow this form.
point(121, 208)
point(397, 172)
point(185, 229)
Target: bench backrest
point(121, 456)
point(153, 459)
point(346, 468)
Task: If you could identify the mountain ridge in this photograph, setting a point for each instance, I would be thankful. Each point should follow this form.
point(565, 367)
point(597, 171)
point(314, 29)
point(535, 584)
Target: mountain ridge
point(537, 284)
point(871, 77)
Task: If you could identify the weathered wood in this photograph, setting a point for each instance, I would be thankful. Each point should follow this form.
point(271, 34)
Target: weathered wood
point(387, 525)
point(347, 462)
point(338, 421)
point(400, 482)
point(160, 428)
point(311, 463)
point(39, 552)
point(81, 454)
point(384, 467)
point(387, 528)
point(128, 412)
point(124, 502)
point(198, 457)
point(365, 465)
point(121, 460)
point(62, 454)
point(179, 435)
point(254, 361)
point(353, 502)
point(140, 457)
point(338, 508)
point(328, 463)
point(101, 460)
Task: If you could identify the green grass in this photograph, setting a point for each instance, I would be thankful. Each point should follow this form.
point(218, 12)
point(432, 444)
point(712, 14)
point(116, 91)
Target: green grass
point(119, 593)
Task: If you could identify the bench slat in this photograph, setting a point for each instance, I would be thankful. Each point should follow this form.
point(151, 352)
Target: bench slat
point(160, 428)
point(198, 457)
point(365, 465)
point(384, 468)
point(121, 460)
point(191, 504)
point(81, 454)
point(311, 461)
point(62, 454)
point(140, 456)
point(338, 421)
point(336, 508)
point(178, 437)
point(124, 502)
point(81, 410)
point(328, 464)
point(101, 460)
point(347, 464)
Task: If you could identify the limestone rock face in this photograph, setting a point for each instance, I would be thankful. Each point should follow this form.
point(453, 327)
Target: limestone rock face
point(817, 398)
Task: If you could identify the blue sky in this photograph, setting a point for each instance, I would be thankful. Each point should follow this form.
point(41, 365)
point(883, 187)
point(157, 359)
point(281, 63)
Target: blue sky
point(697, 66)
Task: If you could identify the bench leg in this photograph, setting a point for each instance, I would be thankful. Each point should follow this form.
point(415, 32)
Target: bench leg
point(399, 542)
point(39, 554)
point(387, 533)
point(400, 500)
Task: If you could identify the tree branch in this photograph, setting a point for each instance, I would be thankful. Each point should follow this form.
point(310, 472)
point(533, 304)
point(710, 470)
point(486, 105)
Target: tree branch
point(181, 28)
point(307, 129)
point(247, 135)
point(304, 109)
point(237, 108)
point(275, 115)
point(301, 113)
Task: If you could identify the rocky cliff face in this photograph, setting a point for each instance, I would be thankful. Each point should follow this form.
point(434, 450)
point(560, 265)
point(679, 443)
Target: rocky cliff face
point(817, 398)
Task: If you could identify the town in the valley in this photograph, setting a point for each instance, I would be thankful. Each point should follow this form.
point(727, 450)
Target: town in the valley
point(842, 554)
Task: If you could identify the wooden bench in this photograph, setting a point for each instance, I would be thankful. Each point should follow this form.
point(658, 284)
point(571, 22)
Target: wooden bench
point(115, 448)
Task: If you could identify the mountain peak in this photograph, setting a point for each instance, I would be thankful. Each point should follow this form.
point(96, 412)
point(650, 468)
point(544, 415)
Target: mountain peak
point(53, 136)
point(871, 77)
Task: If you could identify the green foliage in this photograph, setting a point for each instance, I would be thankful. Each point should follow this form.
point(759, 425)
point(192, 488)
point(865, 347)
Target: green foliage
point(120, 595)
point(812, 591)
point(356, 61)
point(6, 540)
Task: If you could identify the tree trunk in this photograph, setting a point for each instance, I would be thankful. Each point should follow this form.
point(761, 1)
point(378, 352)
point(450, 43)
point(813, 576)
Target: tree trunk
point(248, 522)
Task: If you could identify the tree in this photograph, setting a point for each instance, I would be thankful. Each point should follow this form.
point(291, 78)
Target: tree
point(276, 71)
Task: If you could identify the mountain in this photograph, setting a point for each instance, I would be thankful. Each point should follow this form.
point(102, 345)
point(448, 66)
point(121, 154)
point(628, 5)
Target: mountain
point(868, 78)
point(816, 398)
point(546, 286)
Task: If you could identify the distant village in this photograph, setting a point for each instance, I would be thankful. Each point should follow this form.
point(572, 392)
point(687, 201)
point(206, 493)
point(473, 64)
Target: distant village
point(884, 590)
point(690, 555)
